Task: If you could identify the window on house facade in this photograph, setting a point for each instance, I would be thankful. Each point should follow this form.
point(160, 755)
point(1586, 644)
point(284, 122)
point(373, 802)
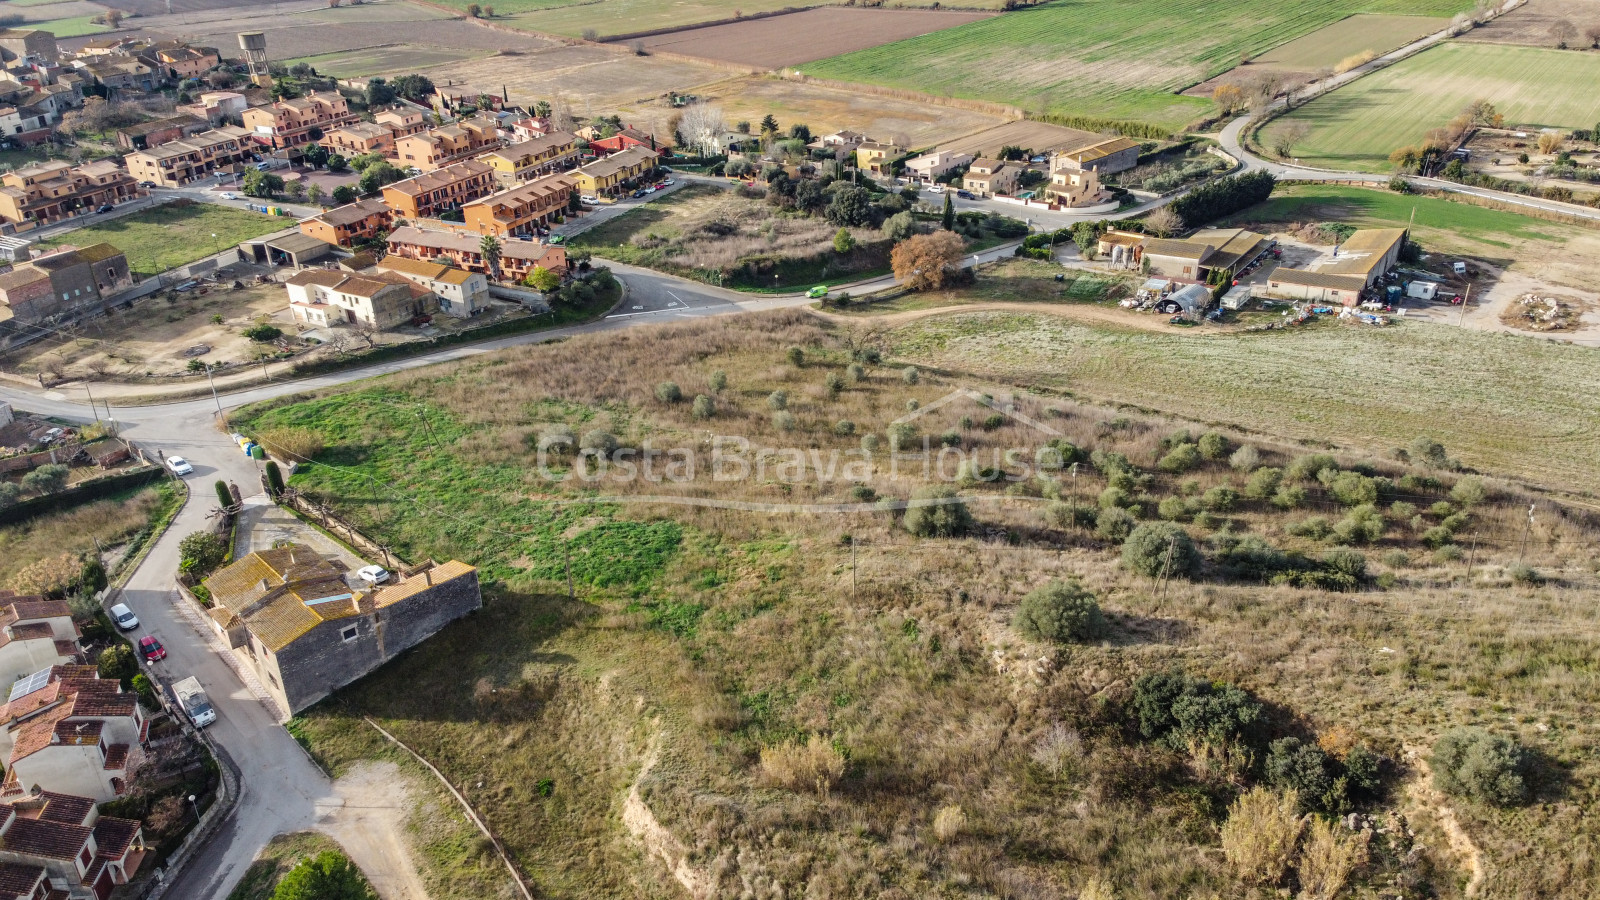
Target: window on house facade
point(349, 633)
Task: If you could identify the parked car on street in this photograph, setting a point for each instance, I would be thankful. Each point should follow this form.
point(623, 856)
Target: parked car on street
point(151, 649)
point(935, 188)
point(228, 195)
point(818, 292)
point(557, 239)
point(179, 465)
point(124, 617)
point(965, 195)
point(105, 208)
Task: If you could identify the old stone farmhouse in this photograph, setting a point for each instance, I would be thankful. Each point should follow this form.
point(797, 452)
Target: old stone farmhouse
point(305, 632)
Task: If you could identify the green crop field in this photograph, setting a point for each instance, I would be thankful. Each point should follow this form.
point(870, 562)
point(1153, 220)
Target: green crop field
point(612, 17)
point(1437, 223)
point(383, 60)
point(1101, 59)
point(1357, 126)
point(73, 27)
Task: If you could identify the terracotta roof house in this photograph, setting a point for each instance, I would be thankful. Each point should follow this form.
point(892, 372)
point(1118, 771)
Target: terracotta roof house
point(52, 191)
point(461, 293)
point(325, 298)
point(35, 634)
point(68, 730)
point(296, 620)
point(520, 210)
point(876, 157)
point(611, 174)
point(359, 138)
point(438, 147)
point(61, 841)
point(534, 157)
point(63, 281)
point(288, 123)
point(177, 163)
point(344, 225)
point(517, 257)
point(622, 140)
point(429, 194)
point(1103, 156)
point(990, 177)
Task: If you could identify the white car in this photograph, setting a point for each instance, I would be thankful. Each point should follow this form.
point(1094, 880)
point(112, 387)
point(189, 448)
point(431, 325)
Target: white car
point(228, 195)
point(935, 188)
point(124, 617)
point(588, 200)
point(650, 190)
point(668, 183)
point(179, 465)
point(373, 574)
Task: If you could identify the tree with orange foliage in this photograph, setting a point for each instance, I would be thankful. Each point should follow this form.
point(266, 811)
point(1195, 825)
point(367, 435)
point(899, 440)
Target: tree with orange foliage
point(928, 261)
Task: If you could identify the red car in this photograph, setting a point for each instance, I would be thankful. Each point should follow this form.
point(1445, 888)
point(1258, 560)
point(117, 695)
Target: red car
point(151, 648)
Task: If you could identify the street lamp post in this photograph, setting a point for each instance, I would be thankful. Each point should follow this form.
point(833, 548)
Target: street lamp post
point(195, 805)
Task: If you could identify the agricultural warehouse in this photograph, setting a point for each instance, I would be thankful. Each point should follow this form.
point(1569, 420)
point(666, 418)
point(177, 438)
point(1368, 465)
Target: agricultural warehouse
point(1354, 266)
point(1205, 254)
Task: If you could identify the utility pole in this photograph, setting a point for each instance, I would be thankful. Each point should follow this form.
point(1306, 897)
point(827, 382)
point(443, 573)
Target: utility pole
point(92, 407)
point(1166, 567)
point(1461, 320)
point(215, 399)
point(429, 428)
point(1471, 555)
point(1074, 496)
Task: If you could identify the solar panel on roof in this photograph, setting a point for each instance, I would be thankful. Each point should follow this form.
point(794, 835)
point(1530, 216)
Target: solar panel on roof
point(26, 686)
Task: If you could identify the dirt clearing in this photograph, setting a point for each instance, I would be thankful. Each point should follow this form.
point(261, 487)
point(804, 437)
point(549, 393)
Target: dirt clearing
point(367, 816)
point(1529, 24)
point(1036, 136)
point(824, 109)
point(795, 38)
point(593, 80)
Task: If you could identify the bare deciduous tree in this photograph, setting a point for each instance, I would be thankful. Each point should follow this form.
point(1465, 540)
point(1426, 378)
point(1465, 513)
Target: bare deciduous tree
point(702, 127)
point(1564, 33)
point(1163, 222)
point(1288, 135)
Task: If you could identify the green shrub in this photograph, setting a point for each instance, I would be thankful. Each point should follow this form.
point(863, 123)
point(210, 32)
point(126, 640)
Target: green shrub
point(1068, 515)
point(902, 436)
point(1430, 453)
point(1173, 709)
point(1448, 553)
point(862, 493)
point(718, 381)
point(9, 494)
point(224, 496)
point(1174, 509)
point(1113, 524)
point(1250, 557)
point(47, 479)
point(146, 691)
point(1305, 769)
point(329, 875)
point(833, 383)
point(1488, 768)
point(1212, 445)
point(1220, 498)
point(973, 472)
point(856, 372)
point(937, 511)
point(1524, 574)
point(1352, 488)
point(1060, 611)
point(598, 441)
point(1180, 458)
point(1364, 772)
point(92, 576)
point(869, 443)
point(1347, 562)
point(117, 663)
point(1362, 525)
point(1263, 483)
point(910, 375)
point(783, 421)
point(844, 428)
point(1306, 468)
point(1437, 536)
point(1442, 509)
point(263, 333)
point(1314, 527)
point(1401, 511)
point(796, 357)
point(1055, 455)
point(200, 553)
point(1157, 548)
point(1416, 484)
point(1290, 496)
point(1397, 559)
point(668, 392)
point(950, 439)
point(704, 406)
point(274, 478)
point(778, 400)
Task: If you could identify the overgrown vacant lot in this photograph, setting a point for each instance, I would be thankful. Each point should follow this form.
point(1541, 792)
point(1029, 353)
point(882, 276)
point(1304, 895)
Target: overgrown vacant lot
point(1101, 60)
point(174, 234)
point(737, 702)
point(1357, 126)
point(74, 531)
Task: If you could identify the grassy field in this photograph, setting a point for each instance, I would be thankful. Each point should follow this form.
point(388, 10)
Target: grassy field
point(703, 637)
point(173, 234)
point(1357, 126)
point(1107, 60)
point(74, 531)
point(610, 17)
point(384, 60)
point(73, 27)
point(1326, 47)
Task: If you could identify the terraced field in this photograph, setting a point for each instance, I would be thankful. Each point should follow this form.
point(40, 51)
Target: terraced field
point(1102, 59)
point(1357, 126)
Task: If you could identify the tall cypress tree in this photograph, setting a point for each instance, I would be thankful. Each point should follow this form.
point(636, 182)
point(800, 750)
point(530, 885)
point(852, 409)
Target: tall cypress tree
point(949, 214)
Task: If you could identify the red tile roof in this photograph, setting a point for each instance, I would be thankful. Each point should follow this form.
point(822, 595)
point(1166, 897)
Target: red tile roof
point(113, 837)
point(19, 880)
point(51, 840)
point(65, 808)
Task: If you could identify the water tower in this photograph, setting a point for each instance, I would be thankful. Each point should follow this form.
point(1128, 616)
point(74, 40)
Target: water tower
point(254, 45)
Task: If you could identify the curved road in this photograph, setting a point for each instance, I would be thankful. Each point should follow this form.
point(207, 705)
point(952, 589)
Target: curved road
point(281, 789)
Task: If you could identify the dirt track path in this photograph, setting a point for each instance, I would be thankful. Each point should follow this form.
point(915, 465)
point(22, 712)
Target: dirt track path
point(1084, 312)
point(367, 816)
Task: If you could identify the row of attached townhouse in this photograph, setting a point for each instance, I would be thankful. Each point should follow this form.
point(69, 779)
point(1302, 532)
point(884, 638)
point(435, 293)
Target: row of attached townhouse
point(606, 176)
point(449, 188)
point(52, 191)
point(61, 283)
point(177, 163)
point(377, 136)
point(363, 220)
point(289, 123)
point(517, 257)
point(532, 158)
point(460, 293)
point(437, 147)
point(520, 210)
